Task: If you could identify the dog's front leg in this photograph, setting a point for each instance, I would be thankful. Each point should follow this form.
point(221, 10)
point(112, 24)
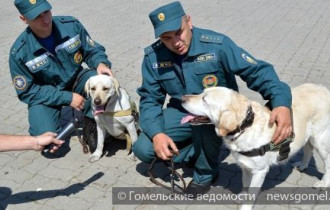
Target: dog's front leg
point(101, 132)
point(257, 179)
point(246, 177)
point(133, 134)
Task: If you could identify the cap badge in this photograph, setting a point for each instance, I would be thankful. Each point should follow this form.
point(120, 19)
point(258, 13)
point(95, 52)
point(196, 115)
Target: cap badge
point(161, 16)
point(33, 1)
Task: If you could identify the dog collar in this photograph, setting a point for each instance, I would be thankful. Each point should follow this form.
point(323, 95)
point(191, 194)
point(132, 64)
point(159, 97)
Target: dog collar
point(247, 122)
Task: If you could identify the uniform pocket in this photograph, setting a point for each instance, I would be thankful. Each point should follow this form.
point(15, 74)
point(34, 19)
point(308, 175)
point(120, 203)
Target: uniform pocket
point(168, 80)
point(70, 50)
point(207, 77)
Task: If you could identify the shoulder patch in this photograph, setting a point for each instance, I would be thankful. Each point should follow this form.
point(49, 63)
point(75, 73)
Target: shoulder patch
point(211, 38)
point(153, 47)
point(19, 82)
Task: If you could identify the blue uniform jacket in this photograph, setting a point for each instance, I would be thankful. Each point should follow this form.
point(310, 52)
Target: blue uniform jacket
point(43, 78)
point(213, 59)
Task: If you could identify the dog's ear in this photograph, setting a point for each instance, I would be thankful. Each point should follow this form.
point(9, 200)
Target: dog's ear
point(115, 83)
point(87, 87)
point(228, 122)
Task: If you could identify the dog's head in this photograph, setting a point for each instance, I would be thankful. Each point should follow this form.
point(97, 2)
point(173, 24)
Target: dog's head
point(220, 106)
point(102, 89)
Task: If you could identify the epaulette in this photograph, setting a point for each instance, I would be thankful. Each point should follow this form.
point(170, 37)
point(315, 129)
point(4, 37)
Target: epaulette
point(211, 38)
point(152, 47)
point(67, 19)
point(17, 46)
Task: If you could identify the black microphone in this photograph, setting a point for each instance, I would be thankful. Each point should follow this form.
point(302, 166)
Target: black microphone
point(63, 134)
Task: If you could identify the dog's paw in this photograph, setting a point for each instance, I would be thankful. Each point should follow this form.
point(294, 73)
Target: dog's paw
point(132, 157)
point(321, 185)
point(94, 157)
point(300, 166)
point(246, 207)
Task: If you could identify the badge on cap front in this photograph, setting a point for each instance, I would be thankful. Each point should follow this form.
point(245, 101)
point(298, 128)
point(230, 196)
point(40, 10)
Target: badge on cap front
point(161, 16)
point(33, 1)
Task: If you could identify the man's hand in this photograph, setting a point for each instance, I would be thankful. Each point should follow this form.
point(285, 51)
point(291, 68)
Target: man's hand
point(162, 145)
point(282, 117)
point(103, 69)
point(46, 139)
point(77, 102)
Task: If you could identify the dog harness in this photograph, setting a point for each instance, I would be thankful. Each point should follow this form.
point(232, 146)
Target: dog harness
point(122, 113)
point(283, 147)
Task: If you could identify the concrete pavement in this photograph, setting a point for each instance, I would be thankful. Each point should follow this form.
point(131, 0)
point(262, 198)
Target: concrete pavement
point(293, 35)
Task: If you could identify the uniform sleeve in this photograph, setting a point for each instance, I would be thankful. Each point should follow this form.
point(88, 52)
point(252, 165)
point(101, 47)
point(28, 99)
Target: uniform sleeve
point(31, 93)
point(93, 52)
point(151, 102)
point(259, 76)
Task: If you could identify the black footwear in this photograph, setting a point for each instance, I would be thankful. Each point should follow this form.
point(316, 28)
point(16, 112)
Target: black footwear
point(90, 134)
point(194, 189)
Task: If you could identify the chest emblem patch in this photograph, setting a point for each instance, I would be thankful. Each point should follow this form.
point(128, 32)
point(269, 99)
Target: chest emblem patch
point(77, 57)
point(248, 59)
point(19, 82)
point(210, 81)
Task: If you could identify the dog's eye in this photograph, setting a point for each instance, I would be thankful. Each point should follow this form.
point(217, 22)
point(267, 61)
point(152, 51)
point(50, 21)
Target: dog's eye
point(106, 89)
point(93, 88)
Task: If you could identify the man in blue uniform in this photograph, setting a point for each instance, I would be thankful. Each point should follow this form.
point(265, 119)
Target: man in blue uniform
point(46, 66)
point(186, 60)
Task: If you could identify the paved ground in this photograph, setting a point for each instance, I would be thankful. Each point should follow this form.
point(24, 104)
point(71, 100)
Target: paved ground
point(291, 34)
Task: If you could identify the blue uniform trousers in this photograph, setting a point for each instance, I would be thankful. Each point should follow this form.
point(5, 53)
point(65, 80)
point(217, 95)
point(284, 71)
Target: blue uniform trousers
point(44, 118)
point(198, 143)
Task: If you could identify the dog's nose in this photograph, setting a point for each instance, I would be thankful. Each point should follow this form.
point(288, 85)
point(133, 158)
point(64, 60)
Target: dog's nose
point(97, 101)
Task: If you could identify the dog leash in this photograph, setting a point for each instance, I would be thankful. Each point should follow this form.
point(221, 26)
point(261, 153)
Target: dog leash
point(75, 122)
point(172, 175)
point(82, 142)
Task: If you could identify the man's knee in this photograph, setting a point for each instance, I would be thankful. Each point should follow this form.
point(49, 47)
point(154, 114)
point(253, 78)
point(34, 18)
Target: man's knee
point(43, 118)
point(143, 149)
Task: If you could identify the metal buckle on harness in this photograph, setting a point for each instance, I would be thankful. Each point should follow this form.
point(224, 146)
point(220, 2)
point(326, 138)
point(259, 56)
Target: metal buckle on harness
point(283, 147)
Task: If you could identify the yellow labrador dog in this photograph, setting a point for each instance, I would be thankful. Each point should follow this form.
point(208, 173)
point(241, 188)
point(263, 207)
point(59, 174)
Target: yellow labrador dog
point(113, 111)
point(243, 124)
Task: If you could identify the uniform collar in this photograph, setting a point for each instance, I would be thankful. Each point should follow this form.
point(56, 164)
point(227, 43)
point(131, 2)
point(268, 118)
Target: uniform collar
point(32, 41)
point(60, 35)
point(195, 46)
